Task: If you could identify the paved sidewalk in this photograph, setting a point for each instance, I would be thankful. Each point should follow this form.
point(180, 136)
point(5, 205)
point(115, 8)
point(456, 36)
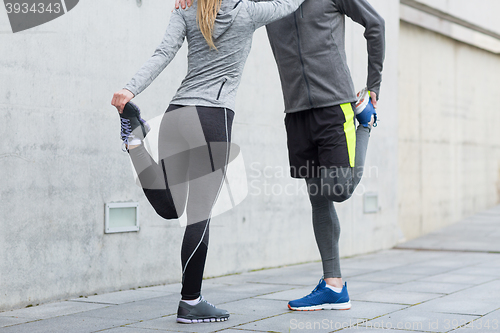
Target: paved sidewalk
point(448, 281)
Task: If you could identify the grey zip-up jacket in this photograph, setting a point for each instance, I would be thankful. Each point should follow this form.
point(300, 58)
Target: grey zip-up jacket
point(213, 75)
point(309, 49)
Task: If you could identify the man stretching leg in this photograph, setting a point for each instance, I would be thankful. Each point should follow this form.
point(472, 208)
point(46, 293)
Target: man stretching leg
point(324, 147)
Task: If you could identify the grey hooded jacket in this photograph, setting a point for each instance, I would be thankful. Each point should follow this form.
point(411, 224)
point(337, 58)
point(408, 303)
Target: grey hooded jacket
point(213, 75)
point(309, 49)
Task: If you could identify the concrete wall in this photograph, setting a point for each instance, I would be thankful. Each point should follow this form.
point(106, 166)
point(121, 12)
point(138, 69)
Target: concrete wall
point(449, 151)
point(480, 12)
point(60, 160)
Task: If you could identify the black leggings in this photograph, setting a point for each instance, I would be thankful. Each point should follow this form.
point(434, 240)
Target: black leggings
point(193, 148)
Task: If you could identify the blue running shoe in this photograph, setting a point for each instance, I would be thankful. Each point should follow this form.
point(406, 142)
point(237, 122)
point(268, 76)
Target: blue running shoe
point(322, 298)
point(365, 109)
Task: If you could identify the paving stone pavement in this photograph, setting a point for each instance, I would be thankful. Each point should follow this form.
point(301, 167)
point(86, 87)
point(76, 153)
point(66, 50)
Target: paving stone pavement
point(447, 281)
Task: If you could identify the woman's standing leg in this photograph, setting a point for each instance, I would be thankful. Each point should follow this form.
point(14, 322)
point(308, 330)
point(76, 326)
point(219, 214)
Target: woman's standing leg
point(205, 182)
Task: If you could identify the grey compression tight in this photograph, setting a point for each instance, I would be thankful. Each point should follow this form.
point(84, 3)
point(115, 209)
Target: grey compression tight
point(335, 185)
point(176, 183)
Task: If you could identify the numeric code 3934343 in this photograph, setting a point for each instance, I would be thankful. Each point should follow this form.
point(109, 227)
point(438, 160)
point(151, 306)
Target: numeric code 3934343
point(34, 8)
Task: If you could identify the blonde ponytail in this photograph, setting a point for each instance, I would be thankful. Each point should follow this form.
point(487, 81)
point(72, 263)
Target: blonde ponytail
point(207, 11)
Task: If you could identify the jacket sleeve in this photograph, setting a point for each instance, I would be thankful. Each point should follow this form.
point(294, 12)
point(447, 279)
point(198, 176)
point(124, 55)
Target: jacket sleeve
point(264, 12)
point(363, 13)
point(163, 55)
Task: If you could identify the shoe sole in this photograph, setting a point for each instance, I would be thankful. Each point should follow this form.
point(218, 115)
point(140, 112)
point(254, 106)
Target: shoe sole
point(331, 306)
point(362, 101)
point(206, 320)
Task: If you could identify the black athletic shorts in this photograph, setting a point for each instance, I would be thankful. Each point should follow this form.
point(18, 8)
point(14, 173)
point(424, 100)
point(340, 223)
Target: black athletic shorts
point(320, 138)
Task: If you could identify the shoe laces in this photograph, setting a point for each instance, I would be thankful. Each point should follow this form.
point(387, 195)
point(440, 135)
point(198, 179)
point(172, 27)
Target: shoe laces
point(126, 131)
point(313, 293)
point(126, 128)
point(374, 117)
point(204, 300)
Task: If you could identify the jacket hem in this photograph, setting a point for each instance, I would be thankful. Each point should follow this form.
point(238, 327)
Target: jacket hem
point(305, 108)
point(201, 102)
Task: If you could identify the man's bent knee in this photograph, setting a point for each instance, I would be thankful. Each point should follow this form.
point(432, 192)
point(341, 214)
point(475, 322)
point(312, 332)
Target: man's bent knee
point(337, 183)
point(338, 197)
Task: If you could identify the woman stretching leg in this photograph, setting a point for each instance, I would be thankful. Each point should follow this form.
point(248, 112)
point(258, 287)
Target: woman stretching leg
point(190, 172)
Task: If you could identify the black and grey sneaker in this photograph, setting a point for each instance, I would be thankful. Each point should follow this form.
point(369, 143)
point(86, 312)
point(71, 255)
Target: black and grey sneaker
point(203, 312)
point(131, 121)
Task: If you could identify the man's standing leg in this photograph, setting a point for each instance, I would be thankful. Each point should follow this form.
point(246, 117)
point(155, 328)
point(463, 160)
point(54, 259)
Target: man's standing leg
point(326, 227)
point(334, 185)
